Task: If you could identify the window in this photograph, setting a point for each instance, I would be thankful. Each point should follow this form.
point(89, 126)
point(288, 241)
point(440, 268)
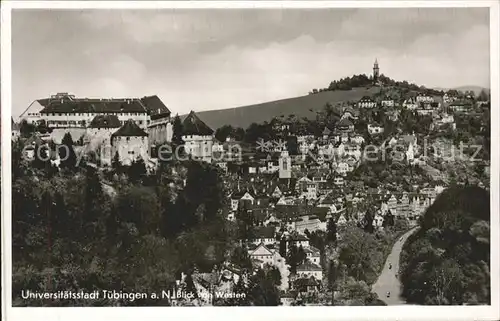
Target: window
point(131, 152)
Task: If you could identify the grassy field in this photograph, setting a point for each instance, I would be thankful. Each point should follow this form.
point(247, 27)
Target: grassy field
point(304, 106)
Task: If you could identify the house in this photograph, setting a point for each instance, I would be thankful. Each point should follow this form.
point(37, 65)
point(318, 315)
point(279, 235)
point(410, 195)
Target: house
point(339, 149)
point(393, 115)
point(313, 255)
point(410, 103)
point(326, 133)
point(460, 106)
point(217, 146)
point(366, 102)
point(299, 240)
point(98, 135)
point(130, 142)
point(424, 98)
point(343, 168)
point(448, 98)
point(387, 102)
point(160, 127)
point(345, 125)
point(197, 137)
point(378, 220)
point(307, 286)
point(308, 270)
point(338, 181)
point(265, 255)
point(375, 129)
point(349, 113)
point(265, 235)
point(15, 130)
point(342, 221)
point(357, 139)
point(425, 109)
point(236, 197)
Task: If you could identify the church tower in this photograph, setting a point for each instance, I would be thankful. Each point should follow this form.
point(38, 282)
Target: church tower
point(285, 165)
point(375, 71)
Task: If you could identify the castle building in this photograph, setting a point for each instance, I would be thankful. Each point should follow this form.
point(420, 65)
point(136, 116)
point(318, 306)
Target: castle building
point(130, 142)
point(376, 71)
point(197, 137)
point(63, 110)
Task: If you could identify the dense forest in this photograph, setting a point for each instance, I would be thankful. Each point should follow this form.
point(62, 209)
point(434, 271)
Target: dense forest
point(447, 262)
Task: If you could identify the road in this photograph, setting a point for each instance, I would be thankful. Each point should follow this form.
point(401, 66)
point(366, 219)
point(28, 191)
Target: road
point(387, 280)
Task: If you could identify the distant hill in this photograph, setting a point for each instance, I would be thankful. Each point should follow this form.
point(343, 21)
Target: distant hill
point(303, 106)
point(475, 89)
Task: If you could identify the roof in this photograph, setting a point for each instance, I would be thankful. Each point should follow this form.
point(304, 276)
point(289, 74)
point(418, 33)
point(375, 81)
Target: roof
point(155, 107)
point(306, 282)
point(94, 106)
point(344, 122)
point(308, 266)
point(366, 98)
point(193, 125)
point(105, 121)
point(130, 128)
point(265, 232)
point(351, 110)
point(326, 131)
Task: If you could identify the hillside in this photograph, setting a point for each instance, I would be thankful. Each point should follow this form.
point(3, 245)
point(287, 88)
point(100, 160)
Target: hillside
point(475, 89)
point(299, 106)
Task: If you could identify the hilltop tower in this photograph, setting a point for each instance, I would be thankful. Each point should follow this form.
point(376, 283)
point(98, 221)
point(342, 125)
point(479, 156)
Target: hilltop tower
point(375, 71)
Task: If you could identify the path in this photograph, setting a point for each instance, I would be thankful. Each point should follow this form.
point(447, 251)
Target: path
point(387, 280)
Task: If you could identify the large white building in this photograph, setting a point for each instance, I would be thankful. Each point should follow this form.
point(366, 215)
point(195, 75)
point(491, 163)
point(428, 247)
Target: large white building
point(197, 137)
point(66, 111)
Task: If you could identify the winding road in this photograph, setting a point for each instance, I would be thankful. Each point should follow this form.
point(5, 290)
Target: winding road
point(387, 280)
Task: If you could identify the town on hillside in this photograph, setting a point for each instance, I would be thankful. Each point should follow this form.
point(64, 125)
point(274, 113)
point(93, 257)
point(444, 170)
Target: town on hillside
point(292, 211)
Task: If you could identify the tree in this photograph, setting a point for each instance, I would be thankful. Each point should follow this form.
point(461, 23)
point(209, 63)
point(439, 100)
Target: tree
point(301, 255)
point(292, 258)
point(282, 247)
point(223, 132)
point(388, 220)
point(137, 170)
point(116, 163)
point(331, 230)
point(332, 275)
point(263, 289)
point(483, 96)
point(26, 129)
point(67, 153)
point(177, 132)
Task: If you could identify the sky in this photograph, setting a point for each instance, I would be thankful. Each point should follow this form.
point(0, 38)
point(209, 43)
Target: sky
point(196, 59)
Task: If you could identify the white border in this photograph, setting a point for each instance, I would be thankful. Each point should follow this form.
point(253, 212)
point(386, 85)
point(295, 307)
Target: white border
point(250, 313)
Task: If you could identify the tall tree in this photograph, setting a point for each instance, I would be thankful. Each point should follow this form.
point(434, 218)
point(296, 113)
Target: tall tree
point(332, 275)
point(177, 131)
point(116, 164)
point(67, 153)
point(282, 248)
point(331, 230)
point(292, 257)
point(137, 170)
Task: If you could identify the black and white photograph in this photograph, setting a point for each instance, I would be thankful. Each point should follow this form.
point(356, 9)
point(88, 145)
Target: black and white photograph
point(251, 156)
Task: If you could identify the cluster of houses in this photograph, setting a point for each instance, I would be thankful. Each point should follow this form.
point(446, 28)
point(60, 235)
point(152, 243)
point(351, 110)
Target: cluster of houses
point(288, 192)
